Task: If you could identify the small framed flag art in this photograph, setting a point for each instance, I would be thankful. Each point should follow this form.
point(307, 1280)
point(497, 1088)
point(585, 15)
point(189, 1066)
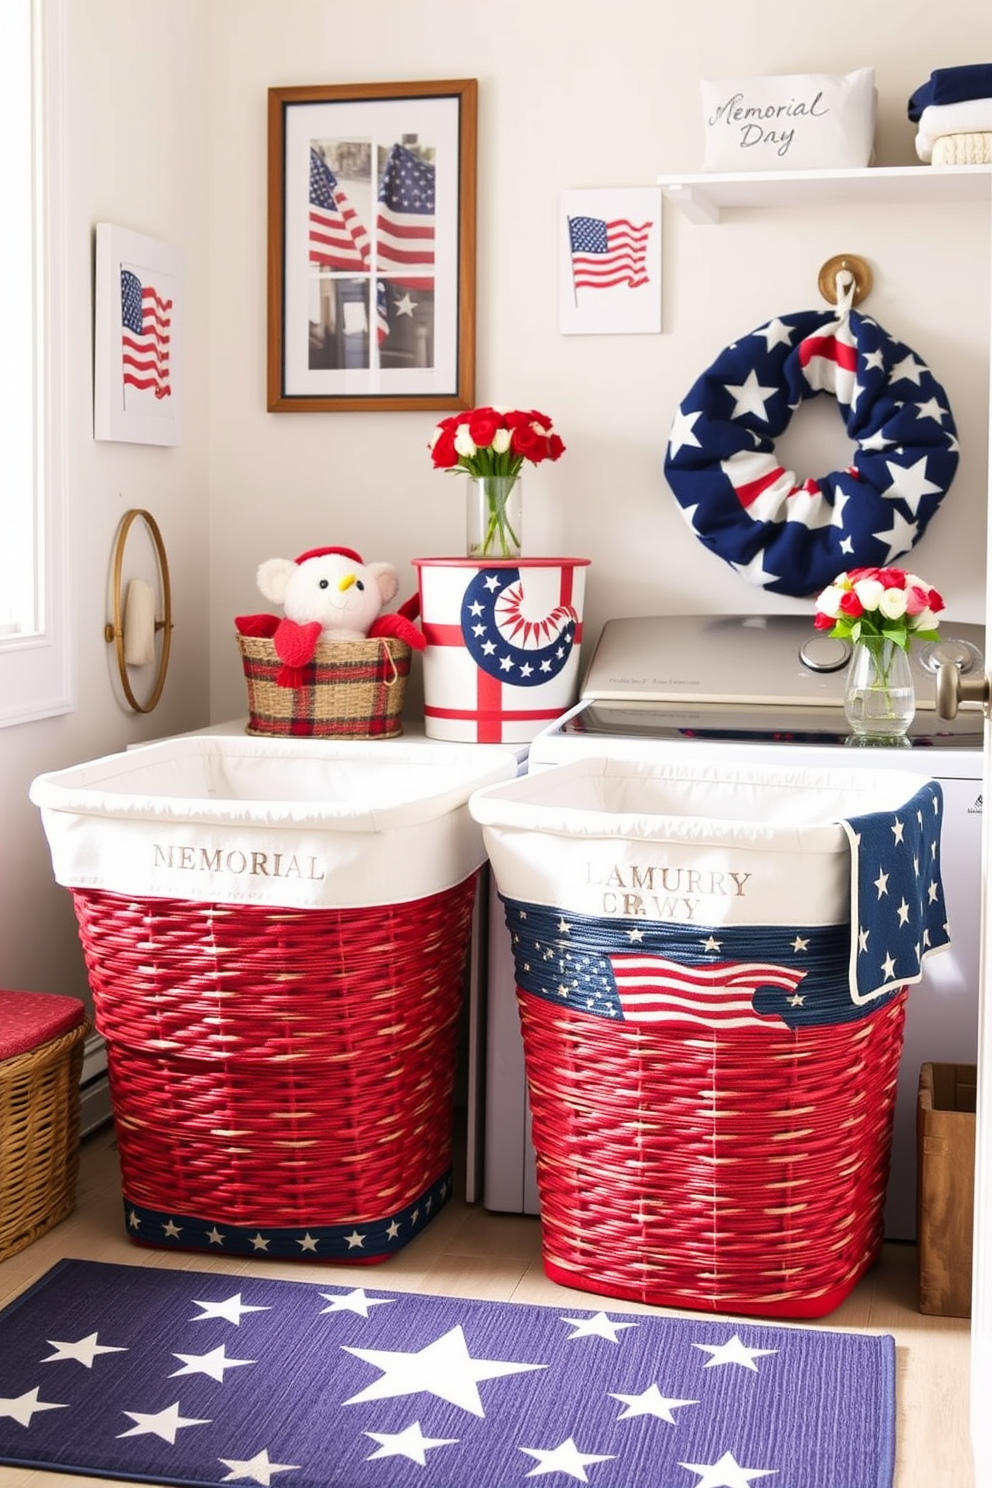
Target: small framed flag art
point(138, 323)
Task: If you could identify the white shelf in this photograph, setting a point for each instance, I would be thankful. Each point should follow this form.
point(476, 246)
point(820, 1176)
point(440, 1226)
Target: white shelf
point(703, 198)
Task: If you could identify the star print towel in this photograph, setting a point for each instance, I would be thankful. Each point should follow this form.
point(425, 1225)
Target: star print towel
point(153, 1375)
point(655, 890)
point(898, 916)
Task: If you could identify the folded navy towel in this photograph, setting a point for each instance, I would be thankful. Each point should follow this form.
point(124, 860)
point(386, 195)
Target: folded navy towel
point(952, 85)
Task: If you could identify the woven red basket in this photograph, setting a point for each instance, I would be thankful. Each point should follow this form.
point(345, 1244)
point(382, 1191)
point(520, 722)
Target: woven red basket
point(740, 1172)
point(282, 1080)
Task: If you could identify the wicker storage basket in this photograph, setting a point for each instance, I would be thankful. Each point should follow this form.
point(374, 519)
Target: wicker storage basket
point(712, 1082)
point(39, 1113)
point(276, 936)
point(352, 690)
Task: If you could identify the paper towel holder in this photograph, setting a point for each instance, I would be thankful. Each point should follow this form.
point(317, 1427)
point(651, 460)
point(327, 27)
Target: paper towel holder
point(114, 629)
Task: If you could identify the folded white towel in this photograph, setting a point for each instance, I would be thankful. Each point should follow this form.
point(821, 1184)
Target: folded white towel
point(972, 117)
point(963, 149)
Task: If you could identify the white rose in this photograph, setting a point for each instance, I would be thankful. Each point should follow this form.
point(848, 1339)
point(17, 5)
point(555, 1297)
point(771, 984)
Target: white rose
point(501, 441)
point(464, 443)
point(925, 620)
point(870, 592)
point(829, 600)
point(893, 603)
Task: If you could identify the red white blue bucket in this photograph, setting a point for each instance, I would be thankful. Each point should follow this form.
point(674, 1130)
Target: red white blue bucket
point(503, 638)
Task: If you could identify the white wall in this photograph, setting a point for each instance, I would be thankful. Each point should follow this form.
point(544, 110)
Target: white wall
point(574, 96)
point(136, 99)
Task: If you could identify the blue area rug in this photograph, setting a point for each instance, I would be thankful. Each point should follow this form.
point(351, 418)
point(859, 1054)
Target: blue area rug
point(192, 1377)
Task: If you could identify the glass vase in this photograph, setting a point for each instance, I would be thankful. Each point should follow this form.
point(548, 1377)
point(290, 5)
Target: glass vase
point(880, 699)
point(494, 516)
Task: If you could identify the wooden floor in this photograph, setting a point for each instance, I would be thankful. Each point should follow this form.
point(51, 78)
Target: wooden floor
point(469, 1252)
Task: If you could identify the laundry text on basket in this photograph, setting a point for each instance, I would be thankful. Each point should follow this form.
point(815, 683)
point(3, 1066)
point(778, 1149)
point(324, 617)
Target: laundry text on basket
point(662, 891)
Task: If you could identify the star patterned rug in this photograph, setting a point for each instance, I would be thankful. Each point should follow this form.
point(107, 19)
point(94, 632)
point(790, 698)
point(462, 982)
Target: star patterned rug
point(191, 1377)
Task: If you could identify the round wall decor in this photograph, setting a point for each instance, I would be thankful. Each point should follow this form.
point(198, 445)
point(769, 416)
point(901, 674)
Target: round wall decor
point(792, 535)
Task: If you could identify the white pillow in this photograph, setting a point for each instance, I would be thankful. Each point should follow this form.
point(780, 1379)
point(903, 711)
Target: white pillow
point(801, 121)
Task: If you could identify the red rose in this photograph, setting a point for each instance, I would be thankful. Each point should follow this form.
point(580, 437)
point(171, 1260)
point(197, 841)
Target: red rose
point(822, 621)
point(526, 442)
point(482, 426)
point(891, 578)
point(444, 453)
point(555, 447)
point(851, 606)
point(934, 601)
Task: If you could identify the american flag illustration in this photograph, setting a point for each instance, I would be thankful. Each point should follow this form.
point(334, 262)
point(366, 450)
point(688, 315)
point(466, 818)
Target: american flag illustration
point(405, 220)
point(792, 534)
point(337, 238)
point(606, 254)
point(153, 1374)
point(669, 968)
point(146, 332)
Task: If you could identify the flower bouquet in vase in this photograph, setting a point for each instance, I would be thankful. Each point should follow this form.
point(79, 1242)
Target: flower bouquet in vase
point(491, 445)
point(880, 611)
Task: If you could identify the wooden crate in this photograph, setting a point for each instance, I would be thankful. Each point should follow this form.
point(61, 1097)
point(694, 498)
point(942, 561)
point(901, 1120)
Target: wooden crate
point(945, 1129)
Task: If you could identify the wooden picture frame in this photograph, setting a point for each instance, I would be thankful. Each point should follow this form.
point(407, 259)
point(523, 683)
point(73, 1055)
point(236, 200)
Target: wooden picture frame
point(371, 246)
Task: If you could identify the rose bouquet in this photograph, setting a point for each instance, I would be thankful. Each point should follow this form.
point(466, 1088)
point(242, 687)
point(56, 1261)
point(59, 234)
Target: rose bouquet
point(879, 604)
point(880, 610)
point(491, 445)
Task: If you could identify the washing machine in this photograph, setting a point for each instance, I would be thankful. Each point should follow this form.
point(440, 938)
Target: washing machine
point(761, 689)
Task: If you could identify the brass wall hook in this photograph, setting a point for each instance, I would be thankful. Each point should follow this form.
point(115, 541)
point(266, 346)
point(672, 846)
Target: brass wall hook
point(855, 266)
point(114, 630)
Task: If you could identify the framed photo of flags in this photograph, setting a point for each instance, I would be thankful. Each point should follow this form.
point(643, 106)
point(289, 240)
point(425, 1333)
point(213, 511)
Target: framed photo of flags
point(371, 286)
point(137, 373)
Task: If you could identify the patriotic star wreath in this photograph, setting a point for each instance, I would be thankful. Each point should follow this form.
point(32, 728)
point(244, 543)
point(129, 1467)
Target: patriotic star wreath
point(793, 536)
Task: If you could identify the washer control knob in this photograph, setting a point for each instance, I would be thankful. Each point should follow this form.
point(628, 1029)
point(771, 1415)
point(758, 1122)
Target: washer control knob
point(965, 656)
point(824, 653)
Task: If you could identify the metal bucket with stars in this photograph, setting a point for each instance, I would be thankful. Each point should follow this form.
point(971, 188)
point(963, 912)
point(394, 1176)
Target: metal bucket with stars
point(503, 637)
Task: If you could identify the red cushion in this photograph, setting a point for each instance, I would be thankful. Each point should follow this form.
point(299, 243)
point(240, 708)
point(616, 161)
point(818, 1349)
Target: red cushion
point(28, 1019)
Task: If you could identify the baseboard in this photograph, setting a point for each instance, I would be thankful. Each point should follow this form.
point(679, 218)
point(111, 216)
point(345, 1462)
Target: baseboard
point(94, 1087)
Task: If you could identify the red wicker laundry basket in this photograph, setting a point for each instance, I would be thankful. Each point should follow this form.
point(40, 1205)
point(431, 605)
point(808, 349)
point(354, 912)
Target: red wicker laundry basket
point(741, 1172)
point(282, 1080)
point(711, 967)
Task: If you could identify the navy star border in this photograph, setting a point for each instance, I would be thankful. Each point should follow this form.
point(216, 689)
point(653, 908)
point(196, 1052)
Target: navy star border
point(359, 1242)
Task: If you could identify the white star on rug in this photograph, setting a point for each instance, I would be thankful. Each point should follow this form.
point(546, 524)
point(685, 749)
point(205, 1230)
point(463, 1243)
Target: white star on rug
point(597, 1326)
point(84, 1350)
point(733, 1352)
point(444, 1368)
point(258, 1467)
point(231, 1309)
point(164, 1423)
point(21, 1408)
point(727, 1473)
point(650, 1402)
point(354, 1301)
point(565, 1458)
point(910, 483)
point(749, 396)
point(681, 434)
point(410, 1442)
point(212, 1364)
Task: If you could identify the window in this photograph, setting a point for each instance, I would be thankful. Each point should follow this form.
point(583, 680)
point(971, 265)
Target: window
point(35, 657)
